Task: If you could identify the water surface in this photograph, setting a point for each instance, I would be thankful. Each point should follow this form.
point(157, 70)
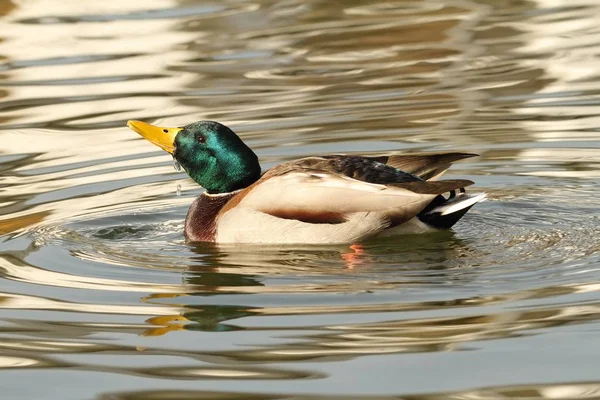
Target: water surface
point(101, 298)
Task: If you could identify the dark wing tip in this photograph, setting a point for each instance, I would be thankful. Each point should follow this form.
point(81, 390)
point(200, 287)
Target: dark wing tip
point(462, 156)
point(428, 158)
point(425, 165)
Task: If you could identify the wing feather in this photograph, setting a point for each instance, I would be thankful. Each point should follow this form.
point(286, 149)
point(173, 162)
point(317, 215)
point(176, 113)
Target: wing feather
point(425, 166)
point(331, 198)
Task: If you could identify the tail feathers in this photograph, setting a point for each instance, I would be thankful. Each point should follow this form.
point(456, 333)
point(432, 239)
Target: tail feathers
point(443, 213)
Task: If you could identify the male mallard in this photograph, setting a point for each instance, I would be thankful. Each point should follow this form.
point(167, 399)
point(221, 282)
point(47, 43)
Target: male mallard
point(323, 199)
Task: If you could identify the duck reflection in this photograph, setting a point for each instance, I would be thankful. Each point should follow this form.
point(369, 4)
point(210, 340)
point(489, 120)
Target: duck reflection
point(218, 269)
point(407, 251)
point(206, 318)
point(332, 342)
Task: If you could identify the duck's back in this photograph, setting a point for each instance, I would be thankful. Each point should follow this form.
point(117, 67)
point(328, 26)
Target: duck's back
point(365, 169)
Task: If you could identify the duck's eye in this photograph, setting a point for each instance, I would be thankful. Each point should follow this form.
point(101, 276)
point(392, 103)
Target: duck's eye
point(200, 138)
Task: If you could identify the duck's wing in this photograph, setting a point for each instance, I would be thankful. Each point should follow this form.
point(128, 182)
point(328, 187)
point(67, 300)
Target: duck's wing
point(426, 166)
point(378, 169)
point(323, 197)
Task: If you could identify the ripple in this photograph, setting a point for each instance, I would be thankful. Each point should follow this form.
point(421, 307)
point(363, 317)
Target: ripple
point(582, 390)
point(522, 240)
point(229, 373)
point(390, 8)
point(17, 362)
point(83, 81)
point(164, 13)
point(53, 61)
point(327, 72)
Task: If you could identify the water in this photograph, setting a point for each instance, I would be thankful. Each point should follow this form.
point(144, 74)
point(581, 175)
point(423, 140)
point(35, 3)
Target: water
point(101, 298)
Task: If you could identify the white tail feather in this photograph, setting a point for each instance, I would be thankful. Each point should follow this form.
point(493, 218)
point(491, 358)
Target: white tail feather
point(458, 204)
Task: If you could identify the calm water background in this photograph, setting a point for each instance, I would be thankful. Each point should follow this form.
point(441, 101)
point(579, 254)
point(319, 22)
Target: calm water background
point(101, 298)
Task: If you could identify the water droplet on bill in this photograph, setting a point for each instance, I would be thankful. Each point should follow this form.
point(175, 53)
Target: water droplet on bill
point(176, 165)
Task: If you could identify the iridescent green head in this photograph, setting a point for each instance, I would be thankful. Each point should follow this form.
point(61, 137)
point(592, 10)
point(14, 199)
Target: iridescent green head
point(211, 153)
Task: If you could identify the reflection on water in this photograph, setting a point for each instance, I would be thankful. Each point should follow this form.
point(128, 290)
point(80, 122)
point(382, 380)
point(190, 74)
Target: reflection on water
point(581, 391)
point(101, 296)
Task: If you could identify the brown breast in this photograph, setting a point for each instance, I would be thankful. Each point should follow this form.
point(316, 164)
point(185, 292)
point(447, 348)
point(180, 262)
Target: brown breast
point(200, 222)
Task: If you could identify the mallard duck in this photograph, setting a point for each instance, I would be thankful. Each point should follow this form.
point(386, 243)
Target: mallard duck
point(322, 199)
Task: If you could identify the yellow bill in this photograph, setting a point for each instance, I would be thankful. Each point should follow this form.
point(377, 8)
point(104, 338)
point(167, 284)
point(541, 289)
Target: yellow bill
point(161, 136)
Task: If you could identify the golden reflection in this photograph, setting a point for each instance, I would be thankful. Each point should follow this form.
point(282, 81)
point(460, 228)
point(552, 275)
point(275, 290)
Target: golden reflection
point(16, 362)
point(22, 302)
point(14, 269)
point(168, 323)
point(15, 224)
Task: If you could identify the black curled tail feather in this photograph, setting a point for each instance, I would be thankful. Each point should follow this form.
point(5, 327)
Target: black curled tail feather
point(443, 213)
